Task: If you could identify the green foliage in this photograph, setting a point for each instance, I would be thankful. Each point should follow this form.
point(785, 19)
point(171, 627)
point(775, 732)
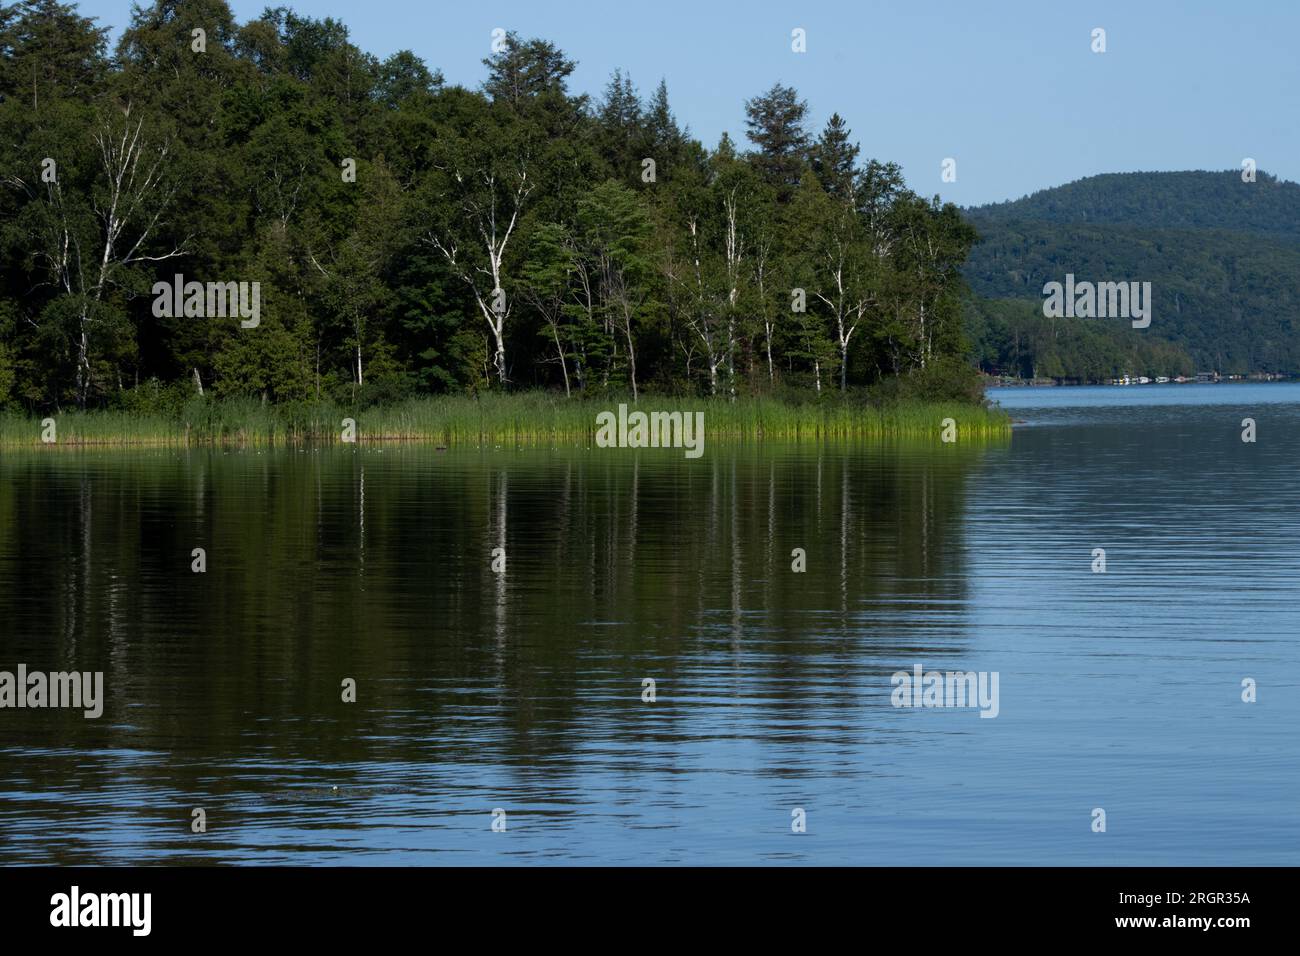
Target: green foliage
point(946, 379)
point(1012, 337)
point(1162, 200)
point(775, 123)
point(8, 370)
point(1222, 257)
point(411, 238)
point(518, 419)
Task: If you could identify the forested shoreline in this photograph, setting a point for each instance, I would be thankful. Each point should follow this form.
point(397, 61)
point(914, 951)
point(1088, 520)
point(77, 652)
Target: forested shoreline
point(1220, 249)
point(414, 238)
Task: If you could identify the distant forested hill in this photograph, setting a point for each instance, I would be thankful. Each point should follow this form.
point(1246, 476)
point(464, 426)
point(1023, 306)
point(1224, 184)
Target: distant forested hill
point(1222, 255)
point(1187, 200)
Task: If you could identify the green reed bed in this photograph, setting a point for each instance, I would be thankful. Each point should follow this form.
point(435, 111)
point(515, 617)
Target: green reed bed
point(528, 418)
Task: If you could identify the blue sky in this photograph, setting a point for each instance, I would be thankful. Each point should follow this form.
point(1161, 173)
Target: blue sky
point(1011, 90)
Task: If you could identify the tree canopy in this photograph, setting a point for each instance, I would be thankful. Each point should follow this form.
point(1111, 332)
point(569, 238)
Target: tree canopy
point(409, 236)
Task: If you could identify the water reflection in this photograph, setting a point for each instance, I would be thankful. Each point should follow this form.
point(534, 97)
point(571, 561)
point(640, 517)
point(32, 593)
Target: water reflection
point(522, 689)
point(376, 564)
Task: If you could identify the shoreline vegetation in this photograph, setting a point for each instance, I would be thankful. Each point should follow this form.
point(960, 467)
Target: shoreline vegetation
point(284, 217)
point(532, 419)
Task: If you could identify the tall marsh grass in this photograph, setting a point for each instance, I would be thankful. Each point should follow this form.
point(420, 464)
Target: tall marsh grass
point(526, 418)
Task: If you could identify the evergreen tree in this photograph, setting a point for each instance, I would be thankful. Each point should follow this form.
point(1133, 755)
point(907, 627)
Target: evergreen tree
point(775, 124)
point(835, 159)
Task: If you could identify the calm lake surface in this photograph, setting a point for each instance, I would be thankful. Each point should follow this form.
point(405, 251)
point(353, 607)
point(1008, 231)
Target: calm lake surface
point(523, 691)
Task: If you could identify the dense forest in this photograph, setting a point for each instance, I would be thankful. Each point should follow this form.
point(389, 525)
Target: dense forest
point(413, 237)
point(1266, 206)
point(1222, 256)
point(1012, 337)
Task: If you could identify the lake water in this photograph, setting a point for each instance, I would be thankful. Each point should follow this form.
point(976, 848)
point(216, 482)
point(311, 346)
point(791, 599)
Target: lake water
point(522, 691)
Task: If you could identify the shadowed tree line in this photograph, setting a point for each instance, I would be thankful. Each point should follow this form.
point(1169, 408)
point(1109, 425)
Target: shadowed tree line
point(413, 237)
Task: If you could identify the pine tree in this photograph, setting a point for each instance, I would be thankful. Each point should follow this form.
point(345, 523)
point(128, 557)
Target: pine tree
point(524, 69)
point(622, 139)
point(775, 125)
point(834, 159)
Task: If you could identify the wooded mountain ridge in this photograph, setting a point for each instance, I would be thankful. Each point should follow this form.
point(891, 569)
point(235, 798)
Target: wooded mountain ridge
point(1222, 255)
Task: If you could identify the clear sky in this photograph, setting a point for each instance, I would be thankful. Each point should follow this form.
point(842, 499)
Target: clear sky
point(1010, 89)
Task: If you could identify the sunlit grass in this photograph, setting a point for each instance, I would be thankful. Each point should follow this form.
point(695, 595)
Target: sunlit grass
point(527, 418)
